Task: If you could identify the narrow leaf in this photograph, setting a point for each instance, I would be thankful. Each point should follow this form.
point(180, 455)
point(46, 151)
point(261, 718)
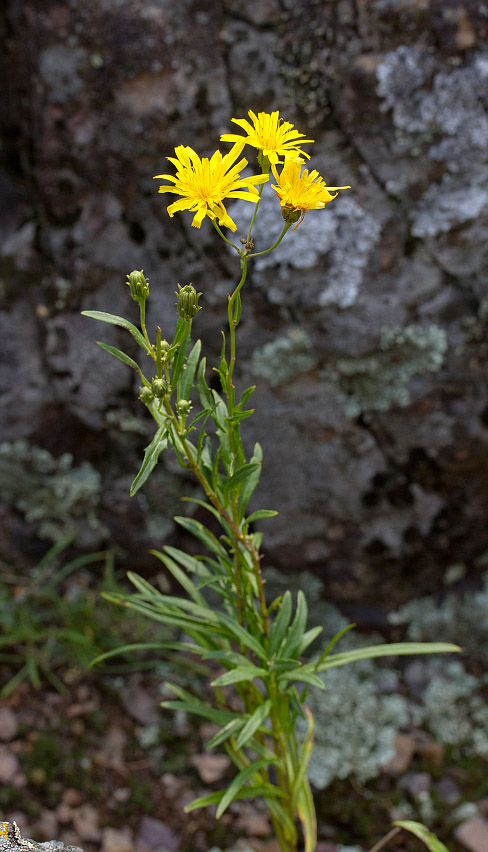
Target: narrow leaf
point(111, 319)
point(261, 513)
point(297, 629)
point(206, 398)
point(253, 724)
point(250, 792)
point(431, 841)
point(188, 373)
point(117, 353)
point(240, 476)
point(239, 674)
point(308, 819)
point(397, 649)
point(237, 783)
point(202, 534)
point(151, 456)
point(280, 624)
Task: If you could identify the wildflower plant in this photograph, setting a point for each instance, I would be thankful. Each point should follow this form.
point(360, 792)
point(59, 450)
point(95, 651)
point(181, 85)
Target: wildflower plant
point(258, 645)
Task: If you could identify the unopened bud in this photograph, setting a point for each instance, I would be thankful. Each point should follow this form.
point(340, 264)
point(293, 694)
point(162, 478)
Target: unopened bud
point(159, 387)
point(187, 301)
point(146, 395)
point(183, 407)
point(139, 286)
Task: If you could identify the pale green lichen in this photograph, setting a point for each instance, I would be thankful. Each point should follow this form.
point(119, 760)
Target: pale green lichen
point(454, 709)
point(378, 381)
point(355, 725)
point(56, 496)
point(459, 619)
point(284, 358)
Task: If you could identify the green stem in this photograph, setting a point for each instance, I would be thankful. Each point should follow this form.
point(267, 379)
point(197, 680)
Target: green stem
point(260, 192)
point(214, 223)
point(278, 241)
point(142, 307)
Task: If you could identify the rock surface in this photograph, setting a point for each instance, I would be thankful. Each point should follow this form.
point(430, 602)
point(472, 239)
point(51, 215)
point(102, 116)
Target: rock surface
point(375, 435)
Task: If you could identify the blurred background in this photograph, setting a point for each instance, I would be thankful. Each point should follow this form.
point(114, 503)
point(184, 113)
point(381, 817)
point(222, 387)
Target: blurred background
point(366, 332)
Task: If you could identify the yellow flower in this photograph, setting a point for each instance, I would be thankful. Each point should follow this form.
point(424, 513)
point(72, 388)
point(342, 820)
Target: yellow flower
point(204, 184)
point(272, 136)
point(301, 192)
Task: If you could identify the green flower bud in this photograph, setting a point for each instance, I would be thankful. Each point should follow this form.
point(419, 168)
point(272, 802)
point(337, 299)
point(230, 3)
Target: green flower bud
point(139, 286)
point(290, 214)
point(146, 395)
point(159, 388)
point(183, 407)
point(187, 301)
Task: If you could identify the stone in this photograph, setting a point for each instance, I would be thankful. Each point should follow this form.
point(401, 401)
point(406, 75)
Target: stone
point(117, 840)
point(404, 752)
point(8, 724)
point(9, 765)
point(154, 834)
point(473, 834)
point(210, 767)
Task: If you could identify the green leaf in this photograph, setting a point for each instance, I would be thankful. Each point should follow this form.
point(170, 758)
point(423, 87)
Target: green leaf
point(280, 624)
point(397, 649)
point(146, 646)
point(151, 456)
point(188, 374)
point(229, 730)
point(431, 841)
point(180, 357)
point(308, 637)
point(202, 534)
point(193, 705)
point(117, 353)
point(251, 482)
point(253, 724)
point(247, 394)
point(240, 674)
point(302, 675)
point(240, 476)
point(237, 783)
point(180, 576)
point(296, 632)
point(183, 328)
point(261, 513)
point(308, 819)
point(249, 792)
point(111, 319)
point(206, 398)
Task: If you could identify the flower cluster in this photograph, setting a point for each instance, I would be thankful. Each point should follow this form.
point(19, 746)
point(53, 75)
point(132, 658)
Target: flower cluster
point(204, 184)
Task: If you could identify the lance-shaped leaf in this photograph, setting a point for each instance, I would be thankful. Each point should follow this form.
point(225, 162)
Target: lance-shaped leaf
point(237, 783)
point(204, 392)
point(111, 319)
point(188, 374)
point(202, 534)
point(251, 481)
point(250, 792)
point(295, 634)
point(260, 514)
point(396, 649)
point(280, 624)
point(180, 357)
point(240, 476)
point(431, 841)
point(239, 674)
point(253, 724)
point(180, 576)
point(151, 456)
point(193, 705)
point(117, 353)
point(308, 819)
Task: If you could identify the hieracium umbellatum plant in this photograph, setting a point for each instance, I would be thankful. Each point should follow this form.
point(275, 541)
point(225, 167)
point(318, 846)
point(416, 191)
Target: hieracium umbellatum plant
point(258, 644)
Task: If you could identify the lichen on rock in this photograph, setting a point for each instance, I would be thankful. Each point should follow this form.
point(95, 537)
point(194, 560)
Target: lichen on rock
point(378, 381)
point(55, 495)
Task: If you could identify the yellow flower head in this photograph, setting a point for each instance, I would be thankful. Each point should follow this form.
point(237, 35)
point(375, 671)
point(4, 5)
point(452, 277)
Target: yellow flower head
point(299, 192)
point(272, 136)
point(205, 183)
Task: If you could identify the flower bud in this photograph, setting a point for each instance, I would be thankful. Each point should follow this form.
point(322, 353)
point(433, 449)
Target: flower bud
point(187, 301)
point(139, 286)
point(290, 214)
point(183, 407)
point(159, 388)
point(146, 395)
